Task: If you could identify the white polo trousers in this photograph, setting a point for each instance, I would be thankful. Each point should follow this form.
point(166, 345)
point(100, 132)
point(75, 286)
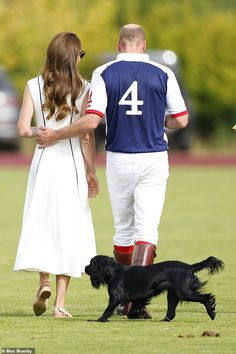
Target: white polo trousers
point(137, 185)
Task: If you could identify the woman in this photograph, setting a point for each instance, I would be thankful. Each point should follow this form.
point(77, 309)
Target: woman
point(57, 234)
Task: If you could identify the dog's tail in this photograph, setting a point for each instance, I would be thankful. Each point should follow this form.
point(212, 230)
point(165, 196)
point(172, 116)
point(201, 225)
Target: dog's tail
point(213, 264)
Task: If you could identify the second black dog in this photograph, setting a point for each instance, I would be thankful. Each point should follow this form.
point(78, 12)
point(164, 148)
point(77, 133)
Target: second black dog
point(138, 284)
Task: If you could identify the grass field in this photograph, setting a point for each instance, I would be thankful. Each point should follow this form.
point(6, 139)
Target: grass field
point(198, 221)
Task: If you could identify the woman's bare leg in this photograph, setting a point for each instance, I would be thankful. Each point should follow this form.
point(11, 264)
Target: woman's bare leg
point(62, 282)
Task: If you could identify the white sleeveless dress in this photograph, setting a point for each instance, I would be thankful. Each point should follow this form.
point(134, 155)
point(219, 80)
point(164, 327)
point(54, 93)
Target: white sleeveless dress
point(57, 233)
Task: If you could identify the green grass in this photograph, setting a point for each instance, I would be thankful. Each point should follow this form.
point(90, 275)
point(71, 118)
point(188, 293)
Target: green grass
point(198, 221)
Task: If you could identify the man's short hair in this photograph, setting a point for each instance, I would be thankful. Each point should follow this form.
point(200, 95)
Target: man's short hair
point(132, 33)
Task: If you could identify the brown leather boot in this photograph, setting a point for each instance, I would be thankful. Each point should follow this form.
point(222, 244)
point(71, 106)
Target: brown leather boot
point(123, 258)
point(143, 255)
point(126, 259)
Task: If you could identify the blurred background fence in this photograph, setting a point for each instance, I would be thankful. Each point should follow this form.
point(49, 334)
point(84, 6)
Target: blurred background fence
point(201, 33)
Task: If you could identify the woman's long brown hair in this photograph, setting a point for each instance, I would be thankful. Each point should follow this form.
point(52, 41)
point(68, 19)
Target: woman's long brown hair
point(62, 80)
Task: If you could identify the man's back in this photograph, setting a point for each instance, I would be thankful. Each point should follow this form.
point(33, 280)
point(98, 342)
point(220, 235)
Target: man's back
point(136, 91)
point(136, 94)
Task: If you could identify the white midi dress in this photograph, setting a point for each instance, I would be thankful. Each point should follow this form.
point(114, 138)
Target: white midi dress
point(57, 232)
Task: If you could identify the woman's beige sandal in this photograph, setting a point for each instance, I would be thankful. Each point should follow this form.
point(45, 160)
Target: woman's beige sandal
point(41, 300)
point(61, 312)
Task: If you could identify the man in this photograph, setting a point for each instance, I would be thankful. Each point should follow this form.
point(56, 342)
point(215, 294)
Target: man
point(134, 93)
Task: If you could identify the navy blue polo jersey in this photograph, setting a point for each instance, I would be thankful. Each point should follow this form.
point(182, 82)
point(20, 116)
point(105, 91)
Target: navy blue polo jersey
point(134, 94)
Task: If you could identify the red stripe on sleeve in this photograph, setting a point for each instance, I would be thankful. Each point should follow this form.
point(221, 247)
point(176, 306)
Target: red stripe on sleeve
point(93, 111)
point(176, 115)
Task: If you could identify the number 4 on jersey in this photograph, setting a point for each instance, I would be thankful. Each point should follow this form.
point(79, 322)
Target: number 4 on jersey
point(133, 102)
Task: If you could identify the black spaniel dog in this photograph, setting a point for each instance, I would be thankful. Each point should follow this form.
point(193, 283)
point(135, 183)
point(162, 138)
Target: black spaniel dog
point(138, 284)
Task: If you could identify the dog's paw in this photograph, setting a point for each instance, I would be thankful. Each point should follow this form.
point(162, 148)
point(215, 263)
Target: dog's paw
point(165, 319)
point(102, 320)
point(98, 320)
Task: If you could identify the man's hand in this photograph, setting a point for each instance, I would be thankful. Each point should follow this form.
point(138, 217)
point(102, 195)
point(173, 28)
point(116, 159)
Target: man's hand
point(46, 137)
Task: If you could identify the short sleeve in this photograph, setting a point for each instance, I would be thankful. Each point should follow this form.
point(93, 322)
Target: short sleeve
point(97, 101)
point(175, 102)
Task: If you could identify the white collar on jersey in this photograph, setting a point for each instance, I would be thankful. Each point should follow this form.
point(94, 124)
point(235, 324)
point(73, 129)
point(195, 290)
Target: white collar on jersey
point(133, 56)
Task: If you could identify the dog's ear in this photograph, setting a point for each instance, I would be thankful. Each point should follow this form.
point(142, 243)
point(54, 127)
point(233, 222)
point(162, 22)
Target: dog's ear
point(97, 279)
point(97, 274)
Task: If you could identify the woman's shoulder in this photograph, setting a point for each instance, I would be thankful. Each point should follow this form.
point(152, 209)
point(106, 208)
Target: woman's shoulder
point(35, 82)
